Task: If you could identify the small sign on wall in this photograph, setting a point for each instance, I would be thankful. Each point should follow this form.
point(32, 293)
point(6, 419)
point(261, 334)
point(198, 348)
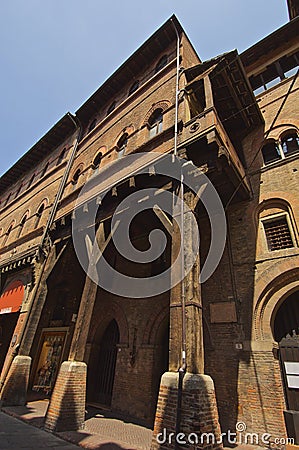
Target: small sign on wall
point(223, 312)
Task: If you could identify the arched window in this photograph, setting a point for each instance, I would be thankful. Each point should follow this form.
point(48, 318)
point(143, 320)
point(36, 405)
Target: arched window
point(111, 108)
point(287, 145)
point(271, 152)
point(76, 175)
point(134, 87)
point(290, 143)
point(121, 145)
point(162, 63)
point(6, 236)
point(155, 122)
point(39, 214)
point(61, 156)
point(277, 224)
point(22, 224)
point(97, 160)
point(277, 231)
point(92, 125)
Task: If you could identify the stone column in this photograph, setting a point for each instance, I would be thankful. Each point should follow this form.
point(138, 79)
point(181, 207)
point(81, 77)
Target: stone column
point(186, 412)
point(67, 405)
point(193, 311)
point(15, 376)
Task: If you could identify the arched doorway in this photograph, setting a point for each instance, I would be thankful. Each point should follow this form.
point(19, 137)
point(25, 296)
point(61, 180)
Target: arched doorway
point(286, 333)
point(286, 320)
point(103, 367)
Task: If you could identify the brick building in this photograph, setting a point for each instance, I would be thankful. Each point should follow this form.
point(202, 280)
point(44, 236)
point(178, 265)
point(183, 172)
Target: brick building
point(78, 337)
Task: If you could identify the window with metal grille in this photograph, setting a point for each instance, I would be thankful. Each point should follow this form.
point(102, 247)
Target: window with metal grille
point(278, 233)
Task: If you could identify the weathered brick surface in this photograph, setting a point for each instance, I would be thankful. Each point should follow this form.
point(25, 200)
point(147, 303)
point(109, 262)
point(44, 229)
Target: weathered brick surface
point(257, 280)
point(14, 391)
point(67, 406)
point(139, 363)
point(238, 354)
point(199, 413)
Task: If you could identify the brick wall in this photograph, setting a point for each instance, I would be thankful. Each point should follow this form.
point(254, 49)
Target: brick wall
point(15, 388)
point(199, 415)
point(67, 406)
point(140, 362)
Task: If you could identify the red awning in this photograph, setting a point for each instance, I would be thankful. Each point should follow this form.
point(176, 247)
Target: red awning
point(12, 297)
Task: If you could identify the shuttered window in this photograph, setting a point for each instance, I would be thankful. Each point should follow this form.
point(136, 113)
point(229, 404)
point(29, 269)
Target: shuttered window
point(278, 233)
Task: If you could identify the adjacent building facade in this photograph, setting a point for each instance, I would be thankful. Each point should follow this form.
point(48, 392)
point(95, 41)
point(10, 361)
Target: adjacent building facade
point(194, 357)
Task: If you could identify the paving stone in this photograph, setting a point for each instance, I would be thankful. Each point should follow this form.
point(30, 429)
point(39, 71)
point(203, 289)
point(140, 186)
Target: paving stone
point(14, 434)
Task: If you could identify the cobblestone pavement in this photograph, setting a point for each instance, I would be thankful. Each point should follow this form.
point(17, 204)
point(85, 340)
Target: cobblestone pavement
point(102, 431)
point(15, 434)
point(106, 430)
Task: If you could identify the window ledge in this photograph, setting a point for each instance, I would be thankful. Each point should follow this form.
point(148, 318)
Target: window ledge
point(275, 164)
point(278, 254)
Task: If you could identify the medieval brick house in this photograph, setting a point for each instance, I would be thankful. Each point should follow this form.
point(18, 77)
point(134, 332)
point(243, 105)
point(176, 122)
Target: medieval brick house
point(91, 338)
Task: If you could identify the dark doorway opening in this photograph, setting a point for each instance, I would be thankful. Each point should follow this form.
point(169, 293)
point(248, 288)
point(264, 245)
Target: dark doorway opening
point(286, 332)
point(287, 318)
point(103, 367)
point(8, 324)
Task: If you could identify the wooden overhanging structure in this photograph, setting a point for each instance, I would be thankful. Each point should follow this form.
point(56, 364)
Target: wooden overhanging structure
point(281, 42)
point(116, 176)
point(214, 135)
point(232, 94)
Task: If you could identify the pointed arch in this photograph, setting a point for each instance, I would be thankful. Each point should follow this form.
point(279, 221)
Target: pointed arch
point(76, 173)
point(8, 232)
point(22, 223)
point(162, 104)
point(40, 211)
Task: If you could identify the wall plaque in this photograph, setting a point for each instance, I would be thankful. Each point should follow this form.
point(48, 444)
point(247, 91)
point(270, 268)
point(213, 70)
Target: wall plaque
point(223, 312)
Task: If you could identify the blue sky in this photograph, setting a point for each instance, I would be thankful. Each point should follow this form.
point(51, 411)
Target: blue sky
point(56, 53)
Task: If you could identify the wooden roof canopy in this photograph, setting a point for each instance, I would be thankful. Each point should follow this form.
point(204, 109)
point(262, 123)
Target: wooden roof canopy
point(293, 6)
point(280, 40)
point(233, 97)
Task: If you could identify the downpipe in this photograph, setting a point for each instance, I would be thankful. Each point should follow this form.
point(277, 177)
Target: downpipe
point(183, 366)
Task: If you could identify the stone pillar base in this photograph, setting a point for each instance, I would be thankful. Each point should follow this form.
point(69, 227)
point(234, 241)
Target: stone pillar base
point(14, 391)
point(66, 410)
point(196, 426)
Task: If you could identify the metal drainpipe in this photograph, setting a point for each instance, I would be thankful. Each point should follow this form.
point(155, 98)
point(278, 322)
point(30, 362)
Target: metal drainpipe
point(177, 91)
point(63, 180)
point(48, 225)
point(183, 295)
point(182, 369)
